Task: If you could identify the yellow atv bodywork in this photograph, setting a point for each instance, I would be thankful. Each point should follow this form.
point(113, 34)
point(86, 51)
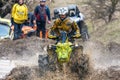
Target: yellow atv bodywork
point(63, 51)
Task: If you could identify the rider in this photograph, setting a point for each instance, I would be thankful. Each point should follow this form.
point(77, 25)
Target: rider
point(63, 23)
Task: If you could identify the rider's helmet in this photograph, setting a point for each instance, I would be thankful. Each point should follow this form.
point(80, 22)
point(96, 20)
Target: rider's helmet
point(63, 13)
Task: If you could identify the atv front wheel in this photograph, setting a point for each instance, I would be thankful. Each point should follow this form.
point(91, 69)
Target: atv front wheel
point(52, 59)
point(43, 64)
point(47, 62)
point(79, 62)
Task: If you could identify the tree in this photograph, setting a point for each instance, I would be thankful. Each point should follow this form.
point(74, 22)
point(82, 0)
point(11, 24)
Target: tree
point(103, 9)
point(112, 8)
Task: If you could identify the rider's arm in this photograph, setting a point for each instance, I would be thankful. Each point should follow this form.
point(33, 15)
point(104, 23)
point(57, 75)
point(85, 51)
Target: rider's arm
point(54, 25)
point(52, 30)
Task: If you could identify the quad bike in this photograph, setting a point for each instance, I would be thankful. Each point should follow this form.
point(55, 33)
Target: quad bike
point(64, 51)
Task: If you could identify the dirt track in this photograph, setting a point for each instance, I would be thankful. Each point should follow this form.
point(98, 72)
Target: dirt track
point(104, 61)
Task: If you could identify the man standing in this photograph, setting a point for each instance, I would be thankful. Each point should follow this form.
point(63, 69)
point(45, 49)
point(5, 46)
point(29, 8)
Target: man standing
point(41, 13)
point(18, 17)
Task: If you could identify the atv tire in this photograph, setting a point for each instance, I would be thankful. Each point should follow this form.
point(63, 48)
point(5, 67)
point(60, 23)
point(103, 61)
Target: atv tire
point(79, 62)
point(43, 64)
point(52, 59)
point(47, 62)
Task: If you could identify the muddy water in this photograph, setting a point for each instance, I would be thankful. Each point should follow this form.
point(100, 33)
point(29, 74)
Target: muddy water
point(6, 67)
point(20, 52)
point(104, 61)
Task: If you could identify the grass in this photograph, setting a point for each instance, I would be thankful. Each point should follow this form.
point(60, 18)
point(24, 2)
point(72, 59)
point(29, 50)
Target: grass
point(111, 33)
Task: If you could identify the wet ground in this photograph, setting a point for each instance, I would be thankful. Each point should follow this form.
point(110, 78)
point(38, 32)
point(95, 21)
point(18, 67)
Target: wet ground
point(104, 61)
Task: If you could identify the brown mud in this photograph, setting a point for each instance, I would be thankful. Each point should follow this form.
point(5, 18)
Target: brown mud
point(103, 61)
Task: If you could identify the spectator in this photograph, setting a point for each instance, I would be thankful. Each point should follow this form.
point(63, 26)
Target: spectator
point(19, 16)
point(41, 13)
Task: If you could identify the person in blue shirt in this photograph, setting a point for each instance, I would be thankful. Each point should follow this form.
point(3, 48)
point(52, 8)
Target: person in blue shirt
point(42, 14)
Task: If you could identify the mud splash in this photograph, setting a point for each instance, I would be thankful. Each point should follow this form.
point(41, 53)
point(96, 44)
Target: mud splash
point(103, 60)
point(112, 73)
point(20, 49)
point(103, 56)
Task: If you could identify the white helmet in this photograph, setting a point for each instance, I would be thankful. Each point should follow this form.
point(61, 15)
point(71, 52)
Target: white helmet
point(63, 11)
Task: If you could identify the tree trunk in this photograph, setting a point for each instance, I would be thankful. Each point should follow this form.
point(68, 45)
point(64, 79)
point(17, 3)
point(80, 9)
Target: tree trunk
point(112, 9)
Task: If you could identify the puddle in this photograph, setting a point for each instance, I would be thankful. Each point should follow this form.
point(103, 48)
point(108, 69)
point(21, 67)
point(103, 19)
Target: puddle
point(6, 66)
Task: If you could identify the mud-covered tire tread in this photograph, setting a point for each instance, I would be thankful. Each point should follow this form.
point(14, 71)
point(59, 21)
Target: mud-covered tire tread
point(52, 59)
point(79, 62)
